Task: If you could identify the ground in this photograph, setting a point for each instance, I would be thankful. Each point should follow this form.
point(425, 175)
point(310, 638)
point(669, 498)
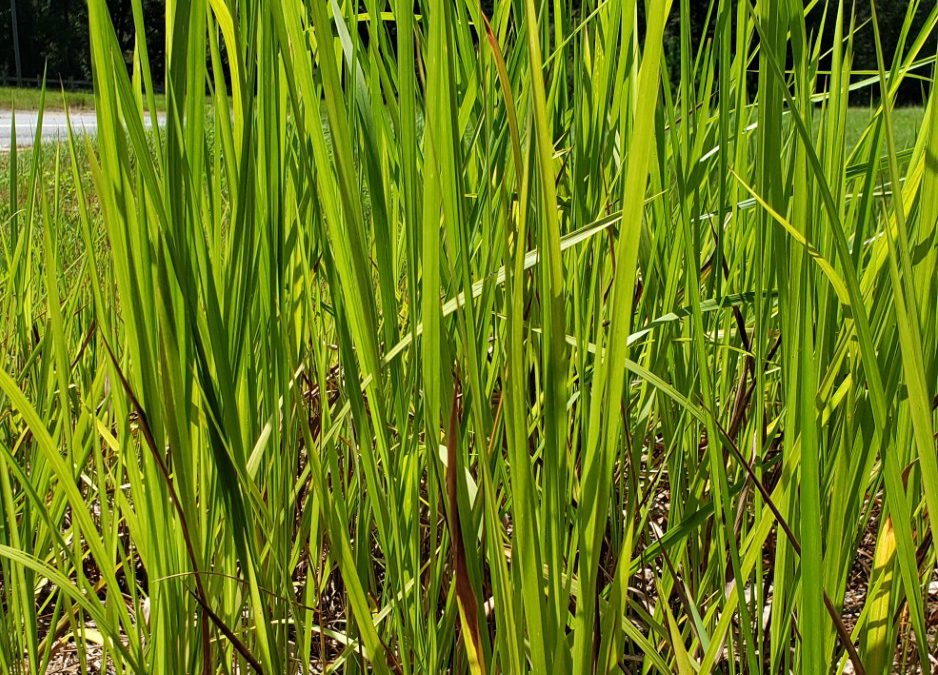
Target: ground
point(27, 98)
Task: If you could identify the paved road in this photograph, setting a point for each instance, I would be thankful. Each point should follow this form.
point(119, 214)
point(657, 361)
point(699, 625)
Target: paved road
point(54, 126)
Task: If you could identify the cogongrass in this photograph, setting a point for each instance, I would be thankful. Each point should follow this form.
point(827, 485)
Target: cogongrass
point(428, 341)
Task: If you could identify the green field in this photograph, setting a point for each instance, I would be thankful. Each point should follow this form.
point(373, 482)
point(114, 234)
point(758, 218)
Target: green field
point(489, 344)
point(30, 98)
point(907, 123)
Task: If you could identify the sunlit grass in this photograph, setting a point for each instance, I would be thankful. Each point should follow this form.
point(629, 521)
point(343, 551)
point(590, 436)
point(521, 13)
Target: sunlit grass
point(478, 346)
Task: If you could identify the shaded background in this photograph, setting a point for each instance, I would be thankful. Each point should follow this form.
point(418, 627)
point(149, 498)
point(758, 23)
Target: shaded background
point(55, 32)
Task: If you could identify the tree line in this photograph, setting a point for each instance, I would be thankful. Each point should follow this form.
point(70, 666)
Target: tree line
point(52, 37)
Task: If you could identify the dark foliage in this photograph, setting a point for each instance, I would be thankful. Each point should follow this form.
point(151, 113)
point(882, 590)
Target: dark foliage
point(53, 33)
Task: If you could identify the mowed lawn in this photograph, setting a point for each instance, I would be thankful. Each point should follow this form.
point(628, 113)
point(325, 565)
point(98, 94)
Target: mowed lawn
point(907, 121)
point(29, 98)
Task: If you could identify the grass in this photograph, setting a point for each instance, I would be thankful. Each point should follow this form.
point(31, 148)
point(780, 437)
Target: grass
point(478, 346)
point(907, 122)
point(27, 98)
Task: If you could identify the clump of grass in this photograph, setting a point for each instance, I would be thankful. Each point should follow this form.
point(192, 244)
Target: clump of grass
point(660, 354)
